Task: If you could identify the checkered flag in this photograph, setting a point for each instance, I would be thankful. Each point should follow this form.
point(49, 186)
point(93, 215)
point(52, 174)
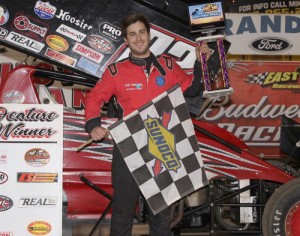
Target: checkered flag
point(160, 148)
point(257, 78)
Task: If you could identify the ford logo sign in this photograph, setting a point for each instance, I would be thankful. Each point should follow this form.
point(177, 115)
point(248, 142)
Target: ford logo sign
point(268, 44)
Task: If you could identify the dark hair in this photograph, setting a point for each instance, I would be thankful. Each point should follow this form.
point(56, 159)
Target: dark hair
point(131, 19)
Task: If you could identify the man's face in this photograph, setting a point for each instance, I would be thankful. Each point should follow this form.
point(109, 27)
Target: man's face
point(138, 39)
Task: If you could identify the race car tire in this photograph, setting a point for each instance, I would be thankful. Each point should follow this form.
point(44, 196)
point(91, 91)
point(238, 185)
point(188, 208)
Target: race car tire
point(281, 216)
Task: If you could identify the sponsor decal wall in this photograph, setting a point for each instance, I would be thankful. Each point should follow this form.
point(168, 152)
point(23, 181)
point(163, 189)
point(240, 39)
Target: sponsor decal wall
point(84, 41)
point(31, 169)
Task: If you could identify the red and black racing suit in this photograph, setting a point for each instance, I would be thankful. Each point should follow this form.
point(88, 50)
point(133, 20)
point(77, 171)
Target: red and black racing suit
point(130, 84)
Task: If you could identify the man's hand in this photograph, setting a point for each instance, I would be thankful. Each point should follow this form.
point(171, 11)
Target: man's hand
point(99, 133)
point(202, 47)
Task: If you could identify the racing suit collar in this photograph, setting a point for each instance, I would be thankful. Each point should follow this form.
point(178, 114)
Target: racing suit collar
point(142, 62)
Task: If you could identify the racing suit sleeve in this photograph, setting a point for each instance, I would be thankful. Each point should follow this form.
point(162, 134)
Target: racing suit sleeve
point(95, 100)
point(191, 84)
point(197, 86)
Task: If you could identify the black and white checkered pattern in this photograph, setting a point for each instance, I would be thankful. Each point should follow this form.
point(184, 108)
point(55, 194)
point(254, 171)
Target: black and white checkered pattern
point(257, 78)
point(132, 138)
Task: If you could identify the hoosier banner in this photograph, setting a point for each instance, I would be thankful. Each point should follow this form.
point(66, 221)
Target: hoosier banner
point(160, 148)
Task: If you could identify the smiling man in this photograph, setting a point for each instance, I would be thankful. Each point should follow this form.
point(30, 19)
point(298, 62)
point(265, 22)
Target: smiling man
point(134, 81)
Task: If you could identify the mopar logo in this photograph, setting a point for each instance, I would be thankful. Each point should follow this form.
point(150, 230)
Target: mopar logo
point(111, 31)
point(269, 44)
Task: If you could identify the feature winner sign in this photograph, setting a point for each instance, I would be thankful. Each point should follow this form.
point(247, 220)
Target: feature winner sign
point(31, 154)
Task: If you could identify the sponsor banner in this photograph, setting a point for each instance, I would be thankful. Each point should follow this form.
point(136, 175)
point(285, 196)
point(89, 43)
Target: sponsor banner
point(265, 6)
point(31, 154)
point(263, 92)
point(264, 34)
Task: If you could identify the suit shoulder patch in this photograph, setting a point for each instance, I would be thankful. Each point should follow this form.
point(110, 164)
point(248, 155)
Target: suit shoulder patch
point(169, 62)
point(113, 69)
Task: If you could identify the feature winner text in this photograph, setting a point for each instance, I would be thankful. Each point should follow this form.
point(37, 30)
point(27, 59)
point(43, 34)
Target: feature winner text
point(19, 124)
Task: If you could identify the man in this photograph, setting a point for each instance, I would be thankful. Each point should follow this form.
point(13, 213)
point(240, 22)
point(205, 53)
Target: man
point(134, 81)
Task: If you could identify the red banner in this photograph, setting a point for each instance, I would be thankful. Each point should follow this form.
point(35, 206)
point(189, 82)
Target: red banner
point(263, 92)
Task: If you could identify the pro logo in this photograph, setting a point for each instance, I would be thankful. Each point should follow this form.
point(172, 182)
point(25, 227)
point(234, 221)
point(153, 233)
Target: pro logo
point(111, 31)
